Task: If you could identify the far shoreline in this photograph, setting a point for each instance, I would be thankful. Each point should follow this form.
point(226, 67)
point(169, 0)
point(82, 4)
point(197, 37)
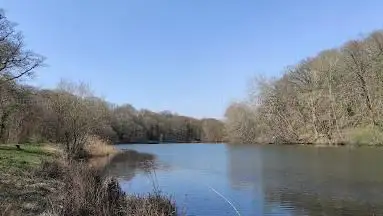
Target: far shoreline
point(156, 143)
point(318, 145)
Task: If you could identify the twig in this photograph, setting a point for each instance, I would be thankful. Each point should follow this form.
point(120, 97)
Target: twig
point(228, 201)
point(6, 210)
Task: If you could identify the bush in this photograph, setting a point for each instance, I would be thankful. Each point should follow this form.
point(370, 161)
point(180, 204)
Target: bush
point(154, 204)
point(52, 169)
point(87, 192)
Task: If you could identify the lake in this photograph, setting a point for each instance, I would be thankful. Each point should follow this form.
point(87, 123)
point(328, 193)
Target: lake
point(222, 179)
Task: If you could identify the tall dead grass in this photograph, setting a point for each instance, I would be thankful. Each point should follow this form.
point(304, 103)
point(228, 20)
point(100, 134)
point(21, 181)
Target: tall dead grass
point(87, 192)
point(97, 147)
point(151, 204)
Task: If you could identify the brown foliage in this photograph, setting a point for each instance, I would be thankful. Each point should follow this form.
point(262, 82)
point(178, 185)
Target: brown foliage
point(95, 147)
point(88, 192)
point(318, 100)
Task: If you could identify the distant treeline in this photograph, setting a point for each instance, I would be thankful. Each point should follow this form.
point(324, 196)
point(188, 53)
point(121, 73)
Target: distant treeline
point(28, 114)
point(70, 113)
point(335, 97)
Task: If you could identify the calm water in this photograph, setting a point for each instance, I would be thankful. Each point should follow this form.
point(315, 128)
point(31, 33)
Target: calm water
point(258, 180)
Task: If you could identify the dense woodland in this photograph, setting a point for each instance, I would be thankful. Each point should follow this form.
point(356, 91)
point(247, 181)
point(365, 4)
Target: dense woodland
point(335, 97)
point(30, 114)
point(69, 112)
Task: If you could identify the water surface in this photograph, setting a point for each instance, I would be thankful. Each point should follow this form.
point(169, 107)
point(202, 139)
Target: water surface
point(257, 180)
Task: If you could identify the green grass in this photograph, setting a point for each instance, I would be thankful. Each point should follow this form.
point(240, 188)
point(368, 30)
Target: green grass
point(30, 156)
point(21, 190)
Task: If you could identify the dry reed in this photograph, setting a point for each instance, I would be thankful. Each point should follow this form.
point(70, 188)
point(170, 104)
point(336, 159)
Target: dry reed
point(97, 147)
point(88, 192)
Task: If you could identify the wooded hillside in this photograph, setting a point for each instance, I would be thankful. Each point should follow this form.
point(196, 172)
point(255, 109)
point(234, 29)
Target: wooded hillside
point(335, 97)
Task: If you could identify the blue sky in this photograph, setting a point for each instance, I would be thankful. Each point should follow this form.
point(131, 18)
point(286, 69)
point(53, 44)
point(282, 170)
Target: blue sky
point(192, 57)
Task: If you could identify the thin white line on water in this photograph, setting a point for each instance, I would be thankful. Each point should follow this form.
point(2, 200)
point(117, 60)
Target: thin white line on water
point(228, 201)
point(215, 191)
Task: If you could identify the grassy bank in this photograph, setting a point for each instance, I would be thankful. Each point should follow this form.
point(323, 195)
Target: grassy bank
point(27, 157)
point(22, 192)
point(36, 180)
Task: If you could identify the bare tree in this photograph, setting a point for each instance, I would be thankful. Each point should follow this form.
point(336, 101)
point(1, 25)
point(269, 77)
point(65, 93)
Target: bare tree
point(213, 130)
point(77, 116)
point(240, 124)
point(8, 106)
point(320, 99)
point(15, 60)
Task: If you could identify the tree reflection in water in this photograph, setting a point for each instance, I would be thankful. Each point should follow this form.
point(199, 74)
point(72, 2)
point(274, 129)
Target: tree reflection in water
point(125, 165)
point(310, 181)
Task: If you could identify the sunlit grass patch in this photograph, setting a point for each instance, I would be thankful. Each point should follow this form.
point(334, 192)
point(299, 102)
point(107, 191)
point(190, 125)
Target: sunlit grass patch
point(29, 156)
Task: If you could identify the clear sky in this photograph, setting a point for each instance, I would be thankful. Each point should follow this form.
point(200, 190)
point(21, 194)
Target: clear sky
point(189, 56)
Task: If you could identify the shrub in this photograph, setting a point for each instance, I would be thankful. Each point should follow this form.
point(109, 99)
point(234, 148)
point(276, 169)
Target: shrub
point(88, 192)
point(52, 169)
point(153, 203)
